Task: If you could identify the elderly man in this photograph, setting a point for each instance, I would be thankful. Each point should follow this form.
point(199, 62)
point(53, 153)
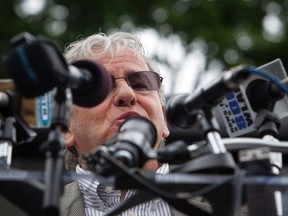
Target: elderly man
point(137, 91)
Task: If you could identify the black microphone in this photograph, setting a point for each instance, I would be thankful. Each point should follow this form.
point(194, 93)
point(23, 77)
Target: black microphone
point(237, 112)
point(90, 83)
point(37, 67)
point(134, 142)
point(183, 109)
point(132, 146)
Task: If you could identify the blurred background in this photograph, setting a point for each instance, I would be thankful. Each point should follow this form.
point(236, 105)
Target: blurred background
point(193, 40)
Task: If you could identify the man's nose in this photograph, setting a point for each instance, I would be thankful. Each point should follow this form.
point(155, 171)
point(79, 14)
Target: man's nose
point(124, 94)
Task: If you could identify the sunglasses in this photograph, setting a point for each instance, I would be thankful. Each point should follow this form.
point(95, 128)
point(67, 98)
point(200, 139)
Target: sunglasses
point(141, 81)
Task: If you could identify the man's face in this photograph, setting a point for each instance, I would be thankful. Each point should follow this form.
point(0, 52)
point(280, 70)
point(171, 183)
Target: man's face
point(91, 127)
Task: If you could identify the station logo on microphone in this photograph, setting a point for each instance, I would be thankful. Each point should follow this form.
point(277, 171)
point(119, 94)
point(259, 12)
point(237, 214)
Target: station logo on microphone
point(237, 113)
point(43, 110)
point(235, 109)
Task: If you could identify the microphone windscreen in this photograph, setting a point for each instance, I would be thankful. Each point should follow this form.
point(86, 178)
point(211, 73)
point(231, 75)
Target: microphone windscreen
point(100, 88)
point(35, 68)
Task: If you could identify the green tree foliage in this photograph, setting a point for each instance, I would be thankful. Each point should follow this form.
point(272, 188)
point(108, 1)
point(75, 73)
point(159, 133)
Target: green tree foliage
point(234, 31)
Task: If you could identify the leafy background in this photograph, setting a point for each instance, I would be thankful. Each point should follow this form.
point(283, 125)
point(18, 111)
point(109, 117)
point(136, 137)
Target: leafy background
point(225, 32)
point(213, 35)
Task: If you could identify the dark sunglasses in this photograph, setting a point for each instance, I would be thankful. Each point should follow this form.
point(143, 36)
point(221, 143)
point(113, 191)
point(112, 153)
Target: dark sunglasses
point(141, 81)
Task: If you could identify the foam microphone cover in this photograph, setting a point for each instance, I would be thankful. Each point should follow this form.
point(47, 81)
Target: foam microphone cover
point(36, 68)
point(97, 90)
point(138, 130)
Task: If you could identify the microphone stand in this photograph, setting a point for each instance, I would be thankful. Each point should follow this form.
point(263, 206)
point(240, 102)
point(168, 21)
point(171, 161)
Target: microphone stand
point(13, 129)
point(54, 148)
point(218, 161)
point(10, 106)
point(8, 139)
point(15, 132)
point(263, 101)
point(263, 162)
point(221, 184)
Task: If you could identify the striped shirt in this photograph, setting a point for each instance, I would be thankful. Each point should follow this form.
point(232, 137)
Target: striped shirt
point(99, 198)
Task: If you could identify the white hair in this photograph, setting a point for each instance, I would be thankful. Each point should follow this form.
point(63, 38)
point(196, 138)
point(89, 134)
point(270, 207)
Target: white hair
point(98, 45)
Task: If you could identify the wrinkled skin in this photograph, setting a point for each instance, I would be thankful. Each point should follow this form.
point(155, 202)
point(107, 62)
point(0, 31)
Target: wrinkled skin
point(91, 127)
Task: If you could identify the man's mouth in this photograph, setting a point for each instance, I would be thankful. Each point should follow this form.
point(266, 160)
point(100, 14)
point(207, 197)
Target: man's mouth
point(126, 115)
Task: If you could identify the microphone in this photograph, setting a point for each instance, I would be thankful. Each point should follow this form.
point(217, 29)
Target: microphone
point(259, 108)
point(182, 110)
point(132, 146)
point(90, 83)
point(236, 113)
point(134, 142)
point(238, 110)
point(37, 67)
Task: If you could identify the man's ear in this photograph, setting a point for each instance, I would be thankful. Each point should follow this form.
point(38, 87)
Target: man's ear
point(69, 138)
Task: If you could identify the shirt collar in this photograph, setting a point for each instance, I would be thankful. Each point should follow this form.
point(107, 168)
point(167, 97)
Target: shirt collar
point(95, 194)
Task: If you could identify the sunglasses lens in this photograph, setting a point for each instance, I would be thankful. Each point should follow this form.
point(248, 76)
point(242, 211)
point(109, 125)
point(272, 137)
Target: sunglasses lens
point(144, 81)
